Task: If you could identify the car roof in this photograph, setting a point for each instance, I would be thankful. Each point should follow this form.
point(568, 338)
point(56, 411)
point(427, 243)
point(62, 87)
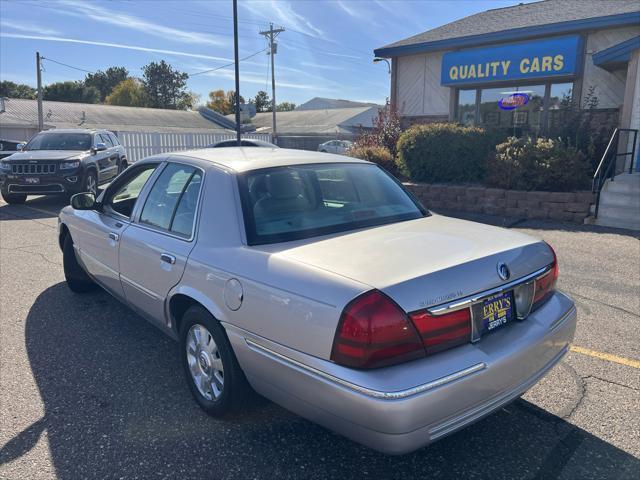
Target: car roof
point(75, 130)
point(252, 141)
point(243, 159)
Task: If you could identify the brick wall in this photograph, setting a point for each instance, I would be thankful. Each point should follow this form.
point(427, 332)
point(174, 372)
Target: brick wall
point(565, 206)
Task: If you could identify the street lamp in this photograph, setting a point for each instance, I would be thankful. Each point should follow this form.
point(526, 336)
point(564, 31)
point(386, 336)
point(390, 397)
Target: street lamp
point(378, 59)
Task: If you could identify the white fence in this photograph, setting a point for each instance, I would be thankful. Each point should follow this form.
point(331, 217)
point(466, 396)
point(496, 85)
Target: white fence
point(139, 145)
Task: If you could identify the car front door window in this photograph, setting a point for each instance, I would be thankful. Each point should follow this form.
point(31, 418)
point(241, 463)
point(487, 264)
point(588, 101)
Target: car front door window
point(123, 199)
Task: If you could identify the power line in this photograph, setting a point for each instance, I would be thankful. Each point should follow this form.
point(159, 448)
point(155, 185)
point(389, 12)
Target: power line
point(228, 64)
point(66, 65)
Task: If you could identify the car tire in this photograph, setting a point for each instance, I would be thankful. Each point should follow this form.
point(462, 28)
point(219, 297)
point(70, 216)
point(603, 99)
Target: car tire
point(77, 279)
point(206, 354)
point(90, 182)
point(14, 198)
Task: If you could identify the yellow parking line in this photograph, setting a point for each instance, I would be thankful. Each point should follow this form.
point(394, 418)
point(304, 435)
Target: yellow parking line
point(606, 356)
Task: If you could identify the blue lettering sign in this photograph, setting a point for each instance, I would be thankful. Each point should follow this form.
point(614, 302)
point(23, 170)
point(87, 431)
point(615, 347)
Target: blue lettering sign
point(536, 59)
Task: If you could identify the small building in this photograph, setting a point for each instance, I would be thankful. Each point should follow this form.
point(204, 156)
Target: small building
point(306, 129)
point(517, 67)
point(523, 69)
point(142, 131)
point(321, 103)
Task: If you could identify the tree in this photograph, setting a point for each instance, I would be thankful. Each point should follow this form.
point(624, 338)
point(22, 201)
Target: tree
point(223, 103)
point(189, 101)
point(69, 91)
point(128, 93)
point(231, 98)
point(106, 81)
point(16, 90)
point(285, 107)
point(218, 102)
point(165, 87)
point(263, 103)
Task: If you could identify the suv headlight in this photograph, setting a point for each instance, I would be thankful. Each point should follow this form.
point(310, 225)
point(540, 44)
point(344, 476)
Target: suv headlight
point(5, 167)
point(70, 165)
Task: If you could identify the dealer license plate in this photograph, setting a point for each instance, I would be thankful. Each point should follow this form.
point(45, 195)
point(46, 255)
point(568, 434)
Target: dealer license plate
point(497, 311)
point(32, 180)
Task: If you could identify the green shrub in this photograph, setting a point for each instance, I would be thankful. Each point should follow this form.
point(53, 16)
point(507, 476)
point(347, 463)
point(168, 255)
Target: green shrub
point(538, 164)
point(445, 153)
point(380, 155)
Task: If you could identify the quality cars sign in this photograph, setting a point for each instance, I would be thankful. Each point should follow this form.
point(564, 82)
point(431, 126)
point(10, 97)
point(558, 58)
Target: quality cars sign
point(528, 60)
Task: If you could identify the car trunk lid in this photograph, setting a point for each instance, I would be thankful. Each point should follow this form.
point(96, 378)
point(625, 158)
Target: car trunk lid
point(424, 262)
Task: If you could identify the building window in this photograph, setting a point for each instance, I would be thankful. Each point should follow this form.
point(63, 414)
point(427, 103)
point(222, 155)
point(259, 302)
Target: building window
point(486, 107)
point(467, 107)
point(559, 103)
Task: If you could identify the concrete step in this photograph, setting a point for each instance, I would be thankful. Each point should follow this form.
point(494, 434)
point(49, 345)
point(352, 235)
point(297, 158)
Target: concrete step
point(620, 199)
point(623, 213)
point(624, 183)
point(611, 222)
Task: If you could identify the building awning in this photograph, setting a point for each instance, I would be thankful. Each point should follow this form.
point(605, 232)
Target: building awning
point(617, 56)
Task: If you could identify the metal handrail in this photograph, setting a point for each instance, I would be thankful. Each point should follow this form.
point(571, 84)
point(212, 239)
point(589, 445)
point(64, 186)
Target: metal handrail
point(607, 166)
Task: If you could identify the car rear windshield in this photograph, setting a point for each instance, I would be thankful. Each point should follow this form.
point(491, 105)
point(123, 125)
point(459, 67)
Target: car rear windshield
point(293, 202)
point(60, 141)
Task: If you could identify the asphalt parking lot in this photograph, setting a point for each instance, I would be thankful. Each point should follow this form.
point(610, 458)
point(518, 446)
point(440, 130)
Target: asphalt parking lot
point(88, 389)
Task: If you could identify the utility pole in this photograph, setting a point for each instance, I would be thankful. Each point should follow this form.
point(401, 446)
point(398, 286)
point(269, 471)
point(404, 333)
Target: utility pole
point(39, 77)
point(237, 69)
point(271, 35)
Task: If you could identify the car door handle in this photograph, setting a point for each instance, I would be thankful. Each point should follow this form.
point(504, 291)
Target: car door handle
point(165, 257)
point(114, 236)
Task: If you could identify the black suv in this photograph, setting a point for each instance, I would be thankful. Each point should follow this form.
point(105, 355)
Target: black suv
point(61, 162)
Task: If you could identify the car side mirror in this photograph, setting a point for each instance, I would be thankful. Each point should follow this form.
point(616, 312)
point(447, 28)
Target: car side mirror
point(20, 147)
point(100, 147)
point(83, 201)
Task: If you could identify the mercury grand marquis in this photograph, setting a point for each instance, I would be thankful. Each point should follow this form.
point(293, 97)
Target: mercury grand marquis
point(319, 282)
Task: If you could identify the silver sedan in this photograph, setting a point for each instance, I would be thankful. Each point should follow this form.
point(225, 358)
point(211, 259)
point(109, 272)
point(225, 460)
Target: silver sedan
point(319, 282)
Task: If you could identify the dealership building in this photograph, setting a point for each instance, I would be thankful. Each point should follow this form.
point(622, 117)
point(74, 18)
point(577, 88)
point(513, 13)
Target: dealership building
point(517, 67)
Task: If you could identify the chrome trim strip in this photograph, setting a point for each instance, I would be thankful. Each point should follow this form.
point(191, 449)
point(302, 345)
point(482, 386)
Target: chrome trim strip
point(140, 288)
point(83, 253)
point(471, 299)
point(572, 311)
point(395, 395)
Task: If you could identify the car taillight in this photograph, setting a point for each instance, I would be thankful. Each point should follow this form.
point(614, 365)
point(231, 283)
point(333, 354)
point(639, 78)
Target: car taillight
point(375, 332)
point(441, 332)
point(546, 284)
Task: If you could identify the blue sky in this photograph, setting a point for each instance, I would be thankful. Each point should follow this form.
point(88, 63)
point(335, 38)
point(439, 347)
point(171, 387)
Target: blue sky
point(325, 51)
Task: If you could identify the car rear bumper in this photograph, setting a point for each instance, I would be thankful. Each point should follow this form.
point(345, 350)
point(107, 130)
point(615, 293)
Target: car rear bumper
point(401, 408)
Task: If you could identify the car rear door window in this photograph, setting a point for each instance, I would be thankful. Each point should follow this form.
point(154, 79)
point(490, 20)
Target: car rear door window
point(167, 200)
point(184, 216)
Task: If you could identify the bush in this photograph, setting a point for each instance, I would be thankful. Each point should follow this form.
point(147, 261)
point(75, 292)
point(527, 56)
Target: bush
point(538, 164)
point(380, 155)
point(445, 153)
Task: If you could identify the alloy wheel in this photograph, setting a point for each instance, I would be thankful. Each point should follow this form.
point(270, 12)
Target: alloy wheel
point(205, 364)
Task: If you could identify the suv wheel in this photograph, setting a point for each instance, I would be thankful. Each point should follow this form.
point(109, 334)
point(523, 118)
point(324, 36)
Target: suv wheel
point(77, 279)
point(210, 366)
point(90, 183)
point(13, 198)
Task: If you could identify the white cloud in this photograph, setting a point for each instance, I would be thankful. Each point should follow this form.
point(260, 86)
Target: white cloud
point(22, 26)
point(123, 20)
point(348, 9)
point(322, 66)
point(283, 13)
point(110, 45)
point(259, 79)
